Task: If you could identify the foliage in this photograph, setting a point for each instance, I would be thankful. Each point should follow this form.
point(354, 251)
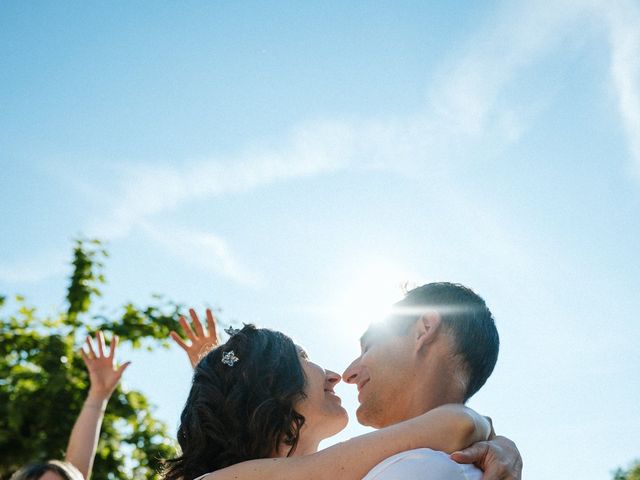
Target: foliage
point(43, 382)
point(632, 474)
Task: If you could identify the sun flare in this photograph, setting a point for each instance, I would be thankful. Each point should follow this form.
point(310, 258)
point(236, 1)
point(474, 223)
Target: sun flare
point(368, 295)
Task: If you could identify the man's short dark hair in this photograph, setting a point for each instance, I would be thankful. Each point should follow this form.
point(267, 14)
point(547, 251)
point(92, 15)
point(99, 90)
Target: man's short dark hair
point(465, 315)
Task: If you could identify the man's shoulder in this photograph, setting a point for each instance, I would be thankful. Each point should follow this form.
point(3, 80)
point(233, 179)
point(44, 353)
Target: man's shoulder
point(422, 464)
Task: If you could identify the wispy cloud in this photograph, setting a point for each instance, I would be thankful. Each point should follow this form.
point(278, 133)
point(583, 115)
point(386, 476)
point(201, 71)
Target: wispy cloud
point(623, 20)
point(463, 107)
point(467, 109)
point(146, 190)
point(201, 250)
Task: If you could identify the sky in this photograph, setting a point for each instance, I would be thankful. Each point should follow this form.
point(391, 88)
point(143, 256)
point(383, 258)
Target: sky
point(294, 163)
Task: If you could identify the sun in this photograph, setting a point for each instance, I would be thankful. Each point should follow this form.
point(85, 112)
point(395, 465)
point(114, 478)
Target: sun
point(368, 294)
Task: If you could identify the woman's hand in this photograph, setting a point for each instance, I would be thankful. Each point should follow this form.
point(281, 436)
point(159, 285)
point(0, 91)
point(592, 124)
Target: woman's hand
point(103, 374)
point(202, 341)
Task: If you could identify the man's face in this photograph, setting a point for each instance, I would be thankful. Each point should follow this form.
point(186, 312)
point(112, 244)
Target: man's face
point(383, 372)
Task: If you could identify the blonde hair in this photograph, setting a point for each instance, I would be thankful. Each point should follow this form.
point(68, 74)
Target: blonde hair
point(35, 470)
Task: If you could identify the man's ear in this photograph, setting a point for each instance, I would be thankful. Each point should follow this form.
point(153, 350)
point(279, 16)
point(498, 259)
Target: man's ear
point(427, 329)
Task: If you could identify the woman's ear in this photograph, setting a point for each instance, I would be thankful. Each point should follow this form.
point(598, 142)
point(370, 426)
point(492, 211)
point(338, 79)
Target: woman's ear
point(427, 329)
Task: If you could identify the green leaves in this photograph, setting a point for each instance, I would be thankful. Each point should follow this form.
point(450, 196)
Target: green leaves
point(632, 474)
point(86, 278)
point(43, 385)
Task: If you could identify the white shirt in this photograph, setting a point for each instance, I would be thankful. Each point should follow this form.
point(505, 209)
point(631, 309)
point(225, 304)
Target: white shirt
point(422, 464)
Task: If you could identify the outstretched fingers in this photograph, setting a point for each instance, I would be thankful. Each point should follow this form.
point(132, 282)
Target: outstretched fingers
point(89, 343)
point(196, 323)
point(113, 346)
point(186, 328)
point(178, 339)
point(120, 370)
point(85, 357)
point(100, 342)
point(211, 324)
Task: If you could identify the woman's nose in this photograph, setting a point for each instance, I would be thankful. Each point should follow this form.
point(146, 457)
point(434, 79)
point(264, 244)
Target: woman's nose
point(332, 377)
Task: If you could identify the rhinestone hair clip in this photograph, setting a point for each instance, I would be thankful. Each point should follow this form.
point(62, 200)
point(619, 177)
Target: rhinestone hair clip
point(229, 358)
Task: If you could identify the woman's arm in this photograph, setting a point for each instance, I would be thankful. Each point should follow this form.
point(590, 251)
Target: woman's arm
point(447, 428)
point(83, 441)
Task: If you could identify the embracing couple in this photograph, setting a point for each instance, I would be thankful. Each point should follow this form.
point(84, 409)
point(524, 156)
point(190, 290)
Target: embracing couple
point(259, 407)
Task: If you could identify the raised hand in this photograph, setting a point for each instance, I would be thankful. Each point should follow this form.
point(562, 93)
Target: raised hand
point(103, 374)
point(202, 341)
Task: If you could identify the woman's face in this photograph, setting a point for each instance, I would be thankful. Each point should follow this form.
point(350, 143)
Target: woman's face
point(49, 475)
point(322, 408)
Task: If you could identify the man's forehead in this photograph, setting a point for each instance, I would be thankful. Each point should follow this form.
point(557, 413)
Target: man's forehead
point(392, 323)
point(374, 332)
point(366, 336)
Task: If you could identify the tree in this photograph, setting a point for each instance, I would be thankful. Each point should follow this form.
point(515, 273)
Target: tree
point(43, 381)
point(632, 474)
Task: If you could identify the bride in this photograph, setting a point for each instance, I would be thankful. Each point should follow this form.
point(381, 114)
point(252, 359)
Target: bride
point(258, 408)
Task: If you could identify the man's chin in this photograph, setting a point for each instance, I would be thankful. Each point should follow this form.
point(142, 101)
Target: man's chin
point(364, 416)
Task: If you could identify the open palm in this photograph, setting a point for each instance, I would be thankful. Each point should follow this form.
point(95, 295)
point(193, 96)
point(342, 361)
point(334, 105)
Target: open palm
point(202, 341)
point(103, 373)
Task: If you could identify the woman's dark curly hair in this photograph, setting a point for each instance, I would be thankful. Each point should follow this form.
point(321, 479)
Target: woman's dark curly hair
point(240, 412)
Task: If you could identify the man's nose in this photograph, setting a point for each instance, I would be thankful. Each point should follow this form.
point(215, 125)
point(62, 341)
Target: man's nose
point(351, 373)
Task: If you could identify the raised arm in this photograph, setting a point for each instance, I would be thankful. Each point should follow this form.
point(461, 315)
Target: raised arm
point(201, 340)
point(104, 377)
point(444, 428)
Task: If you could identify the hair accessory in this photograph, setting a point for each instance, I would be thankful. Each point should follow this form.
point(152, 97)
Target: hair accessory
point(232, 331)
point(229, 358)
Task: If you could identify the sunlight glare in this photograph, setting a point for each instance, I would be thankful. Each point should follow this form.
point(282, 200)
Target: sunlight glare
point(369, 295)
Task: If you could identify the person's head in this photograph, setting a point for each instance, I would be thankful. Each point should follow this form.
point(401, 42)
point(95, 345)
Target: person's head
point(51, 470)
point(256, 396)
point(439, 346)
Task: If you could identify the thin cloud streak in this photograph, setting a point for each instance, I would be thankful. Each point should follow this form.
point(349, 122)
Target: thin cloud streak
point(624, 35)
point(466, 111)
point(464, 106)
point(149, 189)
point(203, 250)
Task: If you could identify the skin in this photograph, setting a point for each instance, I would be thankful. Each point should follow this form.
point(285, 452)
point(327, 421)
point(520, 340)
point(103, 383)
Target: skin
point(390, 390)
point(104, 377)
point(322, 409)
point(51, 476)
point(446, 428)
point(401, 376)
point(200, 339)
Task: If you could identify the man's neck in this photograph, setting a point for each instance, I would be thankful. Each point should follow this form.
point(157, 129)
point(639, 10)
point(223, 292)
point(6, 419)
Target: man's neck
point(420, 404)
point(437, 390)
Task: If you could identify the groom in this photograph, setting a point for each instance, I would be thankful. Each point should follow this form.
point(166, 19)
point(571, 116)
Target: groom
point(439, 346)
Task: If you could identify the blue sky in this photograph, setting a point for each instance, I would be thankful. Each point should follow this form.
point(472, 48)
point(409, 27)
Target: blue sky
point(293, 164)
